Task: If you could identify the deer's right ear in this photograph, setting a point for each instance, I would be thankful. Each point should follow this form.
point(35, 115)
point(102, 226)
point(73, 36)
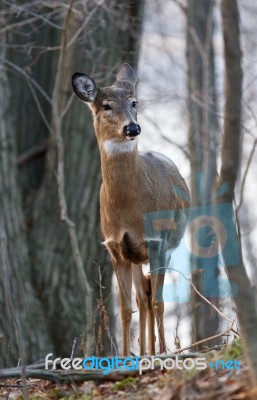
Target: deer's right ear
point(84, 87)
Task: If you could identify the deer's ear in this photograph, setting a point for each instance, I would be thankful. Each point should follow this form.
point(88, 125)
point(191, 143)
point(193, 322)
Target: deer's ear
point(84, 87)
point(126, 73)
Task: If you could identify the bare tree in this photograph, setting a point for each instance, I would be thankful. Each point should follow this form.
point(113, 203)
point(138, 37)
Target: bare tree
point(229, 170)
point(203, 131)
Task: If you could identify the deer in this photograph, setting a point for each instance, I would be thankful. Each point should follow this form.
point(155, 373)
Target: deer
point(138, 190)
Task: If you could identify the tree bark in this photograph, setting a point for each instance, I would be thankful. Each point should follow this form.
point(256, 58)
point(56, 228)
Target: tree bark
point(230, 165)
point(203, 129)
point(23, 326)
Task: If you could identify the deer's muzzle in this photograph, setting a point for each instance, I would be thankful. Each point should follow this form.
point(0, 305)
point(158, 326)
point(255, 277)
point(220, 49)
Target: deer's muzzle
point(131, 130)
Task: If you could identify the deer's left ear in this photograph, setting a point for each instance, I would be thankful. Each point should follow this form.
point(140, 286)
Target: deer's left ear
point(84, 87)
point(126, 73)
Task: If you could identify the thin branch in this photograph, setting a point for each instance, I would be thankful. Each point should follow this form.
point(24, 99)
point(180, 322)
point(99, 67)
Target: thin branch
point(197, 43)
point(205, 340)
point(40, 109)
point(73, 347)
point(34, 151)
point(210, 303)
point(180, 147)
point(28, 77)
point(69, 103)
point(43, 51)
point(219, 114)
point(197, 291)
point(17, 24)
point(38, 16)
point(82, 27)
point(168, 139)
point(181, 6)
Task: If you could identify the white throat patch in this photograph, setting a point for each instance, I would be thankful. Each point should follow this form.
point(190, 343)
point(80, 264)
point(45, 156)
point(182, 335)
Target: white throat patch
point(113, 146)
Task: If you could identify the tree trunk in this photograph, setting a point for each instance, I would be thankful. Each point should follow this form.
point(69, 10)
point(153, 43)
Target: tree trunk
point(230, 165)
point(23, 327)
point(203, 147)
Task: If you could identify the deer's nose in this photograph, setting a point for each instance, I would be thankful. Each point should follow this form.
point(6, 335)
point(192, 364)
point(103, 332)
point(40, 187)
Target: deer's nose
point(131, 129)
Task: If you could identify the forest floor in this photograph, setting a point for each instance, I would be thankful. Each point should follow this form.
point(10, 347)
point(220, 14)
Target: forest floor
point(209, 384)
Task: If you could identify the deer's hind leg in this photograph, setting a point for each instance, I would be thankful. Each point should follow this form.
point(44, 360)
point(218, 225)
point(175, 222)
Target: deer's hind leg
point(158, 308)
point(156, 251)
point(150, 320)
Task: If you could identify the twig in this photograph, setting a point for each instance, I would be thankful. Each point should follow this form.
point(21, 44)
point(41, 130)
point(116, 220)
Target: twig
point(181, 6)
point(176, 337)
point(182, 148)
point(38, 16)
point(40, 109)
point(66, 108)
point(80, 30)
point(205, 340)
point(197, 291)
point(17, 24)
point(28, 77)
point(210, 303)
point(73, 347)
point(31, 153)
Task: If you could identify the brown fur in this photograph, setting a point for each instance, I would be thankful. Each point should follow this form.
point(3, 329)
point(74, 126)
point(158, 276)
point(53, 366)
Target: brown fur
point(133, 184)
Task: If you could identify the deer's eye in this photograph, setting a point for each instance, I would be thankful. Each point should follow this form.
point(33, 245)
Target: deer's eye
point(134, 104)
point(107, 107)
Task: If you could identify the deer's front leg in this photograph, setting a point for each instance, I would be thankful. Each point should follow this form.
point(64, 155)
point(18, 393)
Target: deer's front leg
point(124, 276)
point(143, 291)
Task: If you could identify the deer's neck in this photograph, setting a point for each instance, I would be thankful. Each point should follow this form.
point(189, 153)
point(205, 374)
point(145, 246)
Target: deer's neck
point(120, 164)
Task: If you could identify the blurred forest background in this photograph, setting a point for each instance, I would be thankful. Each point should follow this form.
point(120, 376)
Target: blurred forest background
point(55, 276)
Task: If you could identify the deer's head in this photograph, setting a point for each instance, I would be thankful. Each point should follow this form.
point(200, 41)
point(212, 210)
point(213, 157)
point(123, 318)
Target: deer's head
point(114, 108)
